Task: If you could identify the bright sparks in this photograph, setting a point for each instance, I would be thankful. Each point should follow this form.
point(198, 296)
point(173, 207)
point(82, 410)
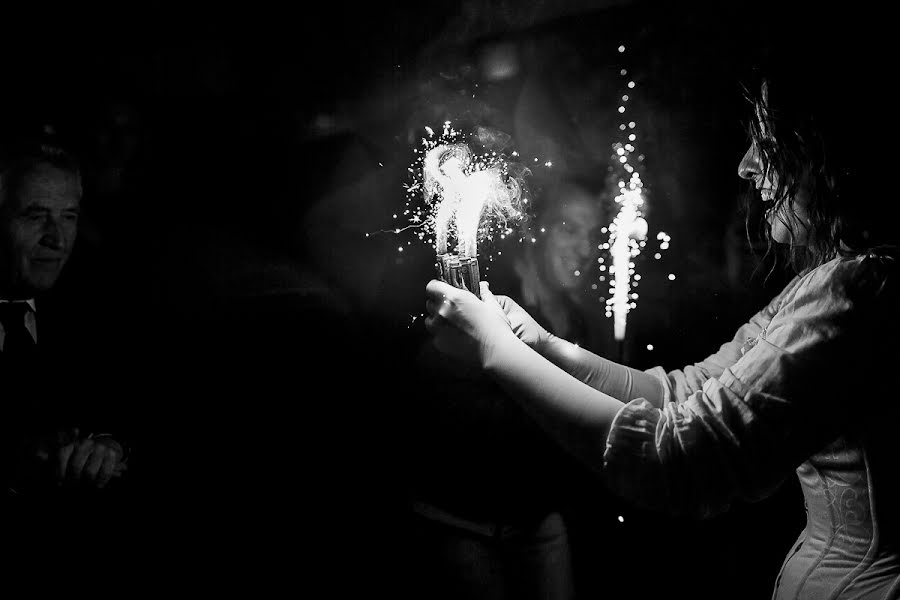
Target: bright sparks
point(463, 188)
point(628, 231)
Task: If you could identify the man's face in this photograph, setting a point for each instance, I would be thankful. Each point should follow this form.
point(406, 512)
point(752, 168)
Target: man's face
point(38, 225)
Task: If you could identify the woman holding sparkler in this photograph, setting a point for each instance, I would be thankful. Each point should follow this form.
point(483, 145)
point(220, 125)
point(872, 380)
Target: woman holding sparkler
point(799, 387)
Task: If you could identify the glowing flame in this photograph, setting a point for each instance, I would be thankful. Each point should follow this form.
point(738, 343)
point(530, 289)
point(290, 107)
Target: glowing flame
point(468, 187)
point(444, 177)
point(627, 230)
point(470, 193)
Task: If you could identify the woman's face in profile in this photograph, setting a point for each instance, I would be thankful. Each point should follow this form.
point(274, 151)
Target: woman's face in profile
point(788, 218)
point(570, 244)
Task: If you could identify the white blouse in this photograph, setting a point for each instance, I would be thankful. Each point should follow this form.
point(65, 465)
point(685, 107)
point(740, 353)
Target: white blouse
point(806, 377)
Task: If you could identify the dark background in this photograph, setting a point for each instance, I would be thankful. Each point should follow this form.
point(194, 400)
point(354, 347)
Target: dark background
point(237, 154)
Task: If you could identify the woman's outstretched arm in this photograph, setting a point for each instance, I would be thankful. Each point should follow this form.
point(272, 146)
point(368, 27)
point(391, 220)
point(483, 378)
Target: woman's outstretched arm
point(572, 412)
point(738, 434)
point(611, 378)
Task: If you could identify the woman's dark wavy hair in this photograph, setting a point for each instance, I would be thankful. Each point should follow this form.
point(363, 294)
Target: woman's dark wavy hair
point(808, 131)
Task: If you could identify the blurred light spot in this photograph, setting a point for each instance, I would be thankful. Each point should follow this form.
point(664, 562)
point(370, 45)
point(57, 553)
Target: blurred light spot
point(500, 61)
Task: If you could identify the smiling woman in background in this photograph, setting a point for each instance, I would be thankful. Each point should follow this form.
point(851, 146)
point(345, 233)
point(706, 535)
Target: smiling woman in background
point(556, 270)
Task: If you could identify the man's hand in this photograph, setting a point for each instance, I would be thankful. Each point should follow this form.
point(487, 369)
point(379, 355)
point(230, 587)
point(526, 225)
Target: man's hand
point(92, 460)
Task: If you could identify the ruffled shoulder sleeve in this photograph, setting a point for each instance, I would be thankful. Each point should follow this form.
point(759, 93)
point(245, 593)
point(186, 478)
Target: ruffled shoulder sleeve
point(680, 384)
point(751, 423)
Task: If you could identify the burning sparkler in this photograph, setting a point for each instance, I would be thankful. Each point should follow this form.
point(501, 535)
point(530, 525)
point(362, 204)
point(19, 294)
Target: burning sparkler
point(628, 231)
point(467, 196)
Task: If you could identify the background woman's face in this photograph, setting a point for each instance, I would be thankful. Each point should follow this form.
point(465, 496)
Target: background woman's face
point(570, 245)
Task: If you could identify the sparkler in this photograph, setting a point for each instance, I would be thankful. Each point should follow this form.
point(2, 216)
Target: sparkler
point(628, 231)
point(467, 196)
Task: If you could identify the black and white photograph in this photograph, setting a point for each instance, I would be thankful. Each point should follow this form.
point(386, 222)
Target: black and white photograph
point(469, 300)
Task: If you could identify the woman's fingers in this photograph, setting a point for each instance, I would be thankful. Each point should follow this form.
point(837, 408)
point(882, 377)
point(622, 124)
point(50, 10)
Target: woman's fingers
point(438, 290)
point(439, 297)
point(486, 291)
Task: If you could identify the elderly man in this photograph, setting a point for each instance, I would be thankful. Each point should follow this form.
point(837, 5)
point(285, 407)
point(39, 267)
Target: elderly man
point(40, 197)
